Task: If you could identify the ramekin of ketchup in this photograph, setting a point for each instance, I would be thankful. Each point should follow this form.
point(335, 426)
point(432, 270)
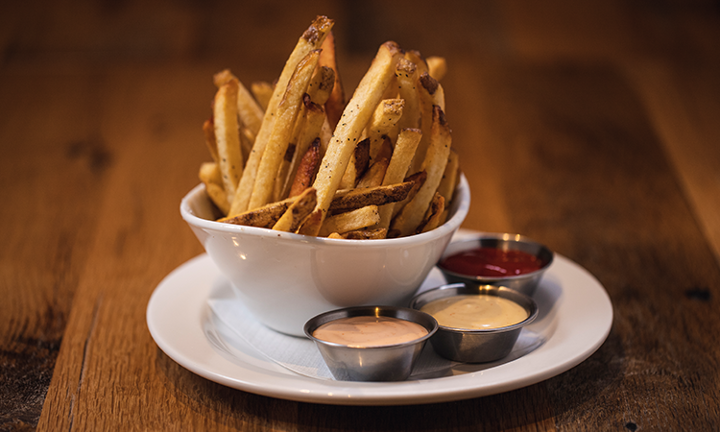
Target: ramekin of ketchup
point(510, 260)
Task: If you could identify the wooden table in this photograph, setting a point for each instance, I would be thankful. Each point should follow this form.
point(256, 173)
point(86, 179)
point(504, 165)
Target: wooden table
point(592, 128)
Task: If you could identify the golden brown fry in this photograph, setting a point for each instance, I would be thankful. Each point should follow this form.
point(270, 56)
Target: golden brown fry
point(225, 121)
point(336, 236)
point(433, 214)
point(357, 166)
point(417, 58)
point(263, 92)
point(449, 178)
point(352, 199)
point(297, 212)
point(364, 234)
point(311, 40)
point(309, 132)
point(314, 220)
point(350, 221)
point(210, 175)
point(383, 123)
point(418, 180)
point(407, 73)
point(250, 112)
point(306, 169)
point(264, 217)
point(402, 156)
point(335, 104)
point(426, 87)
point(283, 171)
point(321, 85)
point(434, 164)
point(283, 122)
point(437, 67)
point(374, 175)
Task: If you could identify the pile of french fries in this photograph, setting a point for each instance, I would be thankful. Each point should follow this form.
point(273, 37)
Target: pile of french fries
point(294, 156)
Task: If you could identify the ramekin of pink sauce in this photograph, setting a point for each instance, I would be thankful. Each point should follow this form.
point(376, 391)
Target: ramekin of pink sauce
point(371, 343)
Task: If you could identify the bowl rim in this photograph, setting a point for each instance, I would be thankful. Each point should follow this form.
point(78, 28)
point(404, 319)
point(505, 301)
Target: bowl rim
point(505, 237)
point(371, 310)
point(461, 203)
point(462, 288)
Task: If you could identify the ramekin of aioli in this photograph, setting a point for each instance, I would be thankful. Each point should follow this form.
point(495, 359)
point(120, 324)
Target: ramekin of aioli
point(477, 324)
point(371, 343)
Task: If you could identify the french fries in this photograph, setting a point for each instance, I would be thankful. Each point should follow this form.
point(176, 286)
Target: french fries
point(283, 123)
point(293, 156)
point(350, 221)
point(311, 40)
point(350, 127)
point(227, 139)
point(297, 211)
point(434, 165)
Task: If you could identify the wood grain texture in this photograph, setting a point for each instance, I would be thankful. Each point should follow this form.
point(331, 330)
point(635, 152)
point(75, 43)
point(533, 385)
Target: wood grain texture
point(590, 127)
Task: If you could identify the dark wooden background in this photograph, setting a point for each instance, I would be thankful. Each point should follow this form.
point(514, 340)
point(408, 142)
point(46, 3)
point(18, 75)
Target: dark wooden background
point(590, 126)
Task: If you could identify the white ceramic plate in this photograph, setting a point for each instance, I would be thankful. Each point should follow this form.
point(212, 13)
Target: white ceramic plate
point(575, 318)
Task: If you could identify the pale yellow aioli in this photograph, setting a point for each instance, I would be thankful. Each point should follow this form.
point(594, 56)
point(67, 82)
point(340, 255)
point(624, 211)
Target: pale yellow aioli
point(369, 331)
point(475, 311)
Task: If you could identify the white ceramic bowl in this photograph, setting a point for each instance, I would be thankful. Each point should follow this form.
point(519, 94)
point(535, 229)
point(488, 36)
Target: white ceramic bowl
point(285, 279)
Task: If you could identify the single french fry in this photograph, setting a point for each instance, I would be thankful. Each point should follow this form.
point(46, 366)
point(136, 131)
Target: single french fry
point(335, 104)
point(321, 85)
point(433, 214)
point(209, 132)
point(437, 67)
point(311, 40)
point(225, 122)
point(283, 170)
point(426, 87)
point(283, 122)
point(336, 236)
point(407, 73)
point(384, 123)
point(402, 155)
point(417, 58)
point(306, 169)
point(400, 161)
point(449, 178)
point(418, 180)
point(374, 174)
point(358, 164)
point(210, 175)
point(364, 234)
point(297, 212)
point(391, 92)
point(307, 130)
point(250, 112)
point(262, 91)
point(264, 217)
point(313, 222)
point(434, 165)
point(386, 149)
point(350, 221)
point(347, 200)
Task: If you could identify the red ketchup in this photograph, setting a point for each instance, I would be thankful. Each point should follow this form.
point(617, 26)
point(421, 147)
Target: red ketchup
point(492, 262)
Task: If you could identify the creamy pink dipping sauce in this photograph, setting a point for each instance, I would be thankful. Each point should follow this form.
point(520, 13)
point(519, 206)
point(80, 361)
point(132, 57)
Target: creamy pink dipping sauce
point(369, 331)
